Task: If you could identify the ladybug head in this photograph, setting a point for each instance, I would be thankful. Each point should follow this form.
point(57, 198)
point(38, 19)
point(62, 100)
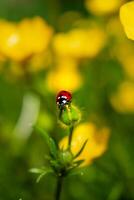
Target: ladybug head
point(63, 98)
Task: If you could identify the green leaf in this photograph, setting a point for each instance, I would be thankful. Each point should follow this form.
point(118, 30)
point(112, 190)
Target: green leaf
point(36, 170)
point(41, 176)
point(78, 163)
point(41, 171)
point(75, 170)
point(53, 147)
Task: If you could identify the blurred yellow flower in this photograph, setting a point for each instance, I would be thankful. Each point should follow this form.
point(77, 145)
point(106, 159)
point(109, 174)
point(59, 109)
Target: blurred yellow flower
point(127, 18)
point(40, 61)
point(34, 64)
point(101, 7)
point(121, 48)
point(123, 100)
point(65, 76)
point(79, 43)
point(25, 39)
point(95, 146)
point(128, 65)
point(114, 29)
point(125, 54)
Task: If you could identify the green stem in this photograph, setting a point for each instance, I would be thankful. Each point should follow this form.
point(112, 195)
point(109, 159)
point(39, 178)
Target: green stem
point(70, 136)
point(60, 113)
point(59, 187)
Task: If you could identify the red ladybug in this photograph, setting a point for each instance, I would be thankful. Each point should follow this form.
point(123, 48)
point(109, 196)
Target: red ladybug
point(63, 98)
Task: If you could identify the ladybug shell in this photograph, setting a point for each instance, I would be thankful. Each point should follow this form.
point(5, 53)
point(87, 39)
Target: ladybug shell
point(63, 98)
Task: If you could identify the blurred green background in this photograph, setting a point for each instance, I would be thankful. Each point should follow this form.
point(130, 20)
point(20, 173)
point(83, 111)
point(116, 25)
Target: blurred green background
point(110, 177)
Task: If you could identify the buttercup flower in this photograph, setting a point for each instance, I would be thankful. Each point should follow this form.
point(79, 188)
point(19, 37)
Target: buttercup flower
point(122, 48)
point(114, 29)
point(125, 54)
point(127, 19)
point(101, 7)
point(19, 41)
point(79, 43)
point(40, 61)
point(65, 76)
point(123, 100)
point(97, 141)
point(36, 63)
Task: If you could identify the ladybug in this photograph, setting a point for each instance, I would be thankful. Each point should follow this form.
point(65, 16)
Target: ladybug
point(63, 98)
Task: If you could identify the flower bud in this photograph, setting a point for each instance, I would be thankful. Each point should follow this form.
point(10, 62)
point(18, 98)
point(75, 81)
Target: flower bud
point(65, 158)
point(70, 115)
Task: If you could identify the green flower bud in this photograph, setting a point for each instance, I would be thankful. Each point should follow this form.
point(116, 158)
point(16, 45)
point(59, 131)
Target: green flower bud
point(65, 158)
point(69, 115)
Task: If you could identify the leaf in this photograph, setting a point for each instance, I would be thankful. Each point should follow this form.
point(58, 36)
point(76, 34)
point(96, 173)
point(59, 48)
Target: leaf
point(41, 171)
point(75, 167)
point(78, 163)
point(82, 148)
point(53, 147)
point(75, 170)
point(36, 170)
point(40, 177)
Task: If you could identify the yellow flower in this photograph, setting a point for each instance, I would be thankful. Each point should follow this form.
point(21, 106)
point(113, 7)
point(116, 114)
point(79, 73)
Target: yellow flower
point(65, 76)
point(114, 29)
point(95, 146)
point(122, 48)
point(101, 7)
point(79, 43)
point(127, 19)
point(125, 54)
point(25, 39)
point(128, 65)
point(123, 100)
point(40, 61)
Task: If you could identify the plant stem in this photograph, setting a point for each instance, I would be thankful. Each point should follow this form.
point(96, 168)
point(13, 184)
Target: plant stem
point(70, 135)
point(59, 187)
point(60, 113)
